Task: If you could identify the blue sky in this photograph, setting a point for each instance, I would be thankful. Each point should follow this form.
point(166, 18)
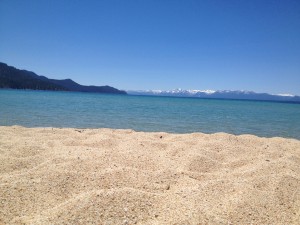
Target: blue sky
point(157, 44)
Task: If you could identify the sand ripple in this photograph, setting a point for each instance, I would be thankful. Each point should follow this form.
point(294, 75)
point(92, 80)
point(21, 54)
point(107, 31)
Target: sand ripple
point(105, 176)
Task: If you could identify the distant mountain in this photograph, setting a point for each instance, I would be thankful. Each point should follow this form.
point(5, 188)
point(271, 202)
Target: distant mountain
point(246, 95)
point(10, 77)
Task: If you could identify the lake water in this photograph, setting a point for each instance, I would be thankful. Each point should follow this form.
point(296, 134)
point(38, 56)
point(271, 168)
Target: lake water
point(144, 113)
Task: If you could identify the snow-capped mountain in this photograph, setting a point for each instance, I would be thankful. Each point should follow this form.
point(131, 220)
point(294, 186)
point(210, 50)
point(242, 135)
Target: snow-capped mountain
point(226, 94)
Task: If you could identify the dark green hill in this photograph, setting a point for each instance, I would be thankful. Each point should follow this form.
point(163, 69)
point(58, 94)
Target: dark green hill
point(10, 77)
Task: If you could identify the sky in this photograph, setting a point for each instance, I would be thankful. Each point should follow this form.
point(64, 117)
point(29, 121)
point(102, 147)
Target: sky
point(157, 44)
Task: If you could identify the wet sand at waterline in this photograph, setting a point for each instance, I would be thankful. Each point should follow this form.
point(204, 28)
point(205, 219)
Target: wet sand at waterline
point(106, 176)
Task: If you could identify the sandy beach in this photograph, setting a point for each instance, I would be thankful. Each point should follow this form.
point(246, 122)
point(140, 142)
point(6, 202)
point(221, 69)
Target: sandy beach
point(105, 176)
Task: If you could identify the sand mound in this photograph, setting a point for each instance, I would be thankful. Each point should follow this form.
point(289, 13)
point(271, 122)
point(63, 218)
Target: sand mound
point(104, 176)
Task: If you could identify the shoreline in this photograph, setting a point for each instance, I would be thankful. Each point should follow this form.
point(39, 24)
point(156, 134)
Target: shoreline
point(164, 96)
point(150, 132)
point(117, 176)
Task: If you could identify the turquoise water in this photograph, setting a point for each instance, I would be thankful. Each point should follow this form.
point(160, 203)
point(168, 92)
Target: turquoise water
point(144, 113)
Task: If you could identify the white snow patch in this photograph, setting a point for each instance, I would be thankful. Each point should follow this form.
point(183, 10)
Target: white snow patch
point(286, 95)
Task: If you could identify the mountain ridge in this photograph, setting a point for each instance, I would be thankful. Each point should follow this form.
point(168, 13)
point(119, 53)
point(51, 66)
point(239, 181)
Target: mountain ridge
point(219, 94)
point(11, 77)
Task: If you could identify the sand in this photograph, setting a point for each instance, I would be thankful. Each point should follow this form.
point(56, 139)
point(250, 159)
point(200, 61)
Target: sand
point(106, 176)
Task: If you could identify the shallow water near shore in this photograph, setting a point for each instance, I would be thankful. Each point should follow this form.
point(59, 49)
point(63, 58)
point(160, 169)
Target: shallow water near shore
point(144, 113)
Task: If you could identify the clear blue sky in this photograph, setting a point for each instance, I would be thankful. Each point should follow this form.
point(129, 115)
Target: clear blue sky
point(157, 44)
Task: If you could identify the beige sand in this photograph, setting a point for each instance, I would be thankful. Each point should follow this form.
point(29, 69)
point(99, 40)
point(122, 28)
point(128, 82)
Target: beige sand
point(104, 176)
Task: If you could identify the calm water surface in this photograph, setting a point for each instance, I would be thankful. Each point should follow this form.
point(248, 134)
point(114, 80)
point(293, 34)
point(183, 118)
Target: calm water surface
point(144, 113)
